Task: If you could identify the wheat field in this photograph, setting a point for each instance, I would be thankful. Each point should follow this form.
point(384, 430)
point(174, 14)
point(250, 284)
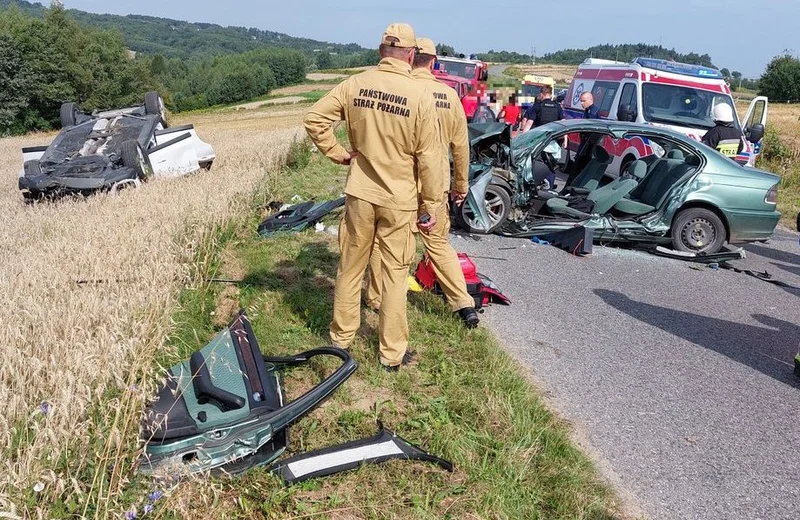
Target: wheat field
point(88, 290)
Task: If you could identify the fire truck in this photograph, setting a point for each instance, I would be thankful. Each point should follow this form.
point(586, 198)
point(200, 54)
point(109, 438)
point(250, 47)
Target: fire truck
point(467, 76)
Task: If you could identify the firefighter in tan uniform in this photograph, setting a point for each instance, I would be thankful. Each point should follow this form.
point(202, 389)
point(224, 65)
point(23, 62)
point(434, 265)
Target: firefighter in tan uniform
point(454, 138)
point(391, 126)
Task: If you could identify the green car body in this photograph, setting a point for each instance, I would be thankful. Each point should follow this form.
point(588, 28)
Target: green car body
point(742, 197)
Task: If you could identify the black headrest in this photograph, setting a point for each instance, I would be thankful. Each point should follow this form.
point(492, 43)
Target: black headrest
point(600, 153)
point(692, 160)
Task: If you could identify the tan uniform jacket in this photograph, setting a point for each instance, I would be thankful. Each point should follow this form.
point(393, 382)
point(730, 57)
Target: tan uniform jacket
point(391, 121)
point(453, 124)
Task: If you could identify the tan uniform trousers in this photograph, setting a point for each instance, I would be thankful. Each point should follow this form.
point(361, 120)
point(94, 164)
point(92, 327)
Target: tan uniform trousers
point(444, 260)
point(362, 225)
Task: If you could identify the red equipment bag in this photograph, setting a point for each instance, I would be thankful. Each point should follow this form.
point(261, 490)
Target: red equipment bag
point(480, 287)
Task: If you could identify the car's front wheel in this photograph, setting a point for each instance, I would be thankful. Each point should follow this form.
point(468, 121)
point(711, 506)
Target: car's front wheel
point(698, 230)
point(498, 207)
point(134, 157)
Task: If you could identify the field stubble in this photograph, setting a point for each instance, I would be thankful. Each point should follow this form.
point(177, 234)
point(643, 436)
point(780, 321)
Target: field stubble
point(89, 287)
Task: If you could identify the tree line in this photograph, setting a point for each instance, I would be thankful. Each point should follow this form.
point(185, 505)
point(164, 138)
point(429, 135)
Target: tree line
point(48, 60)
point(180, 39)
point(622, 52)
point(47, 57)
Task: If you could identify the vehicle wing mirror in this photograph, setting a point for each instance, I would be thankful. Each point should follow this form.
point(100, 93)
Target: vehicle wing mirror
point(484, 75)
point(626, 113)
point(755, 133)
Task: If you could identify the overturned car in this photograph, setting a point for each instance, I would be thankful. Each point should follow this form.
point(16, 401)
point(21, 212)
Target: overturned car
point(108, 149)
point(628, 183)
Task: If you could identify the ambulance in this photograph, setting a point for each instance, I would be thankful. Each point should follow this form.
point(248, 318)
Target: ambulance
point(530, 87)
point(663, 93)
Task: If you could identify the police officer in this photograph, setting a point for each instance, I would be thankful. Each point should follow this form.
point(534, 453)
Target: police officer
point(543, 112)
point(590, 110)
point(588, 140)
point(454, 138)
point(392, 124)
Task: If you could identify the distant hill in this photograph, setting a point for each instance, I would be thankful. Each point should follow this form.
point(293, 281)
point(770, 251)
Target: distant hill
point(179, 39)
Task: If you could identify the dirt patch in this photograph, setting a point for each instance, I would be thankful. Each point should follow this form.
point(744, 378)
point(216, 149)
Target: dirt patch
point(299, 89)
point(226, 306)
point(367, 397)
point(232, 266)
point(322, 76)
point(267, 102)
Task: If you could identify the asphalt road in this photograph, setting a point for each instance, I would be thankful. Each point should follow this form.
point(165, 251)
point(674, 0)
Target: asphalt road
point(678, 381)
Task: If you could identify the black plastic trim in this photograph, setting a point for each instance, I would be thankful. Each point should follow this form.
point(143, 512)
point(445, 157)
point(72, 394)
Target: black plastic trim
point(171, 129)
point(168, 143)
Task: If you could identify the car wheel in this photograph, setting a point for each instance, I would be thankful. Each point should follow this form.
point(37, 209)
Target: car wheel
point(698, 230)
point(69, 114)
point(133, 156)
point(498, 206)
point(626, 162)
point(32, 168)
point(154, 106)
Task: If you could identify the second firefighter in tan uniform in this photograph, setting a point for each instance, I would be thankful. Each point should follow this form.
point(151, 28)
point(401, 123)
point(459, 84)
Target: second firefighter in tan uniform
point(454, 138)
point(392, 127)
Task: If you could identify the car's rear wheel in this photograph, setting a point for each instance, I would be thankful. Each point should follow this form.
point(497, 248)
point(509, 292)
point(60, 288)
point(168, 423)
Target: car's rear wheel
point(698, 230)
point(154, 106)
point(498, 206)
point(69, 114)
point(133, 156)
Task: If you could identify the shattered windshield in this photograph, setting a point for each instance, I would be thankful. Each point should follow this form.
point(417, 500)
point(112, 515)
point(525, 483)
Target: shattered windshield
point(524, 143)
point(681, 106)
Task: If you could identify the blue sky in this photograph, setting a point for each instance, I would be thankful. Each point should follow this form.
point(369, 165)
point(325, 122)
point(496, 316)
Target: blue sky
point(741, 35)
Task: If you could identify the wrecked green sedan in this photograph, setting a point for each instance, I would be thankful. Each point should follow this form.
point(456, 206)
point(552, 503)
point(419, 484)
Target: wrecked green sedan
point(628, 183)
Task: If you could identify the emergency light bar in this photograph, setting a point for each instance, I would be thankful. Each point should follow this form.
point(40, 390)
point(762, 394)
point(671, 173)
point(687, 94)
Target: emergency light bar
point(685, 69)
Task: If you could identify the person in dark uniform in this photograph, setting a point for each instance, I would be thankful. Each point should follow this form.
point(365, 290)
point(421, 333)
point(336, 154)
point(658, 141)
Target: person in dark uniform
point(584, 153)
point(590, 110)
point(544, 111)
point(725, 137)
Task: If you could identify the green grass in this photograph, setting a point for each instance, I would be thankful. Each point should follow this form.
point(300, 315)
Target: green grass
point(781, 159)
point(465, 400)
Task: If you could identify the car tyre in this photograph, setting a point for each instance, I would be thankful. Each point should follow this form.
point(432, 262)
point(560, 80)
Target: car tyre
point(154, 106)
point(133, 156)
point(697, 230)
point(498, 205)
point(69, 114)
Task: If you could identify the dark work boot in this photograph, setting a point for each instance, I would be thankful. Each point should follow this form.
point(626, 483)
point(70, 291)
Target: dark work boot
point(408, 357)
point(469, 316)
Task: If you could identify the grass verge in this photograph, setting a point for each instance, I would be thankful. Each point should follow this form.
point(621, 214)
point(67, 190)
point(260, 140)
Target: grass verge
point(465, 399)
